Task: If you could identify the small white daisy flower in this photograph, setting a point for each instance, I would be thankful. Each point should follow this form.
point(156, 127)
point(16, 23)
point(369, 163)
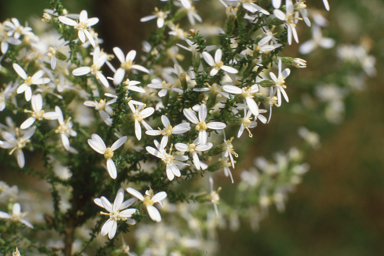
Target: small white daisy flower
point(29, 80)
point(16, 215)
point(139, 114)
point(126, 65)
point(82, 26)
point(201, 125)
point(98, 62)
point(217, 64)
point(149, 199)
point(116, 212)
point(97, 144)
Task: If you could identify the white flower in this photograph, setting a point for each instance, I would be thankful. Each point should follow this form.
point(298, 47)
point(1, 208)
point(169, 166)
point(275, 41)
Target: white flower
point(246, 123)
point(149, 200)
point(201, 125)
point(168, 129)
point(172, 161)
point(28, 81)
point(301, 7)
point(97, 144)
point(5, 40)
point(157, 83)
point(229, 151)
point(248, 93)
point(131, 85)
point(193, 149)
point(159, 15)
point(82, 26)
point(214, 196)
point(6, 93)
point(103, 107)
point(261, 47)
point(16, 215)
point(139, 114)
point(317, 40)
point(217, 64)
point(115, 212)
point(126, 65)
point(65, 130)
point(191, 11)
point(250, 6)
point(15, 29)
point(280, 83)
point(17, 142)
point(98, 62)
point(290, 21)
point(38, 112)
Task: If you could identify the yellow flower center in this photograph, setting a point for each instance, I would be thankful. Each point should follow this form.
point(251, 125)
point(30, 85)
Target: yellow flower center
point(108, 153)
point(127, 65)
point(202, 126)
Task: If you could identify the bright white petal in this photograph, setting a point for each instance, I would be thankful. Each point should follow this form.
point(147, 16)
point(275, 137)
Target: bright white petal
point(154, 213)
point(135, 193)
point(159, 197)
point(111, 168)
point(118, 143)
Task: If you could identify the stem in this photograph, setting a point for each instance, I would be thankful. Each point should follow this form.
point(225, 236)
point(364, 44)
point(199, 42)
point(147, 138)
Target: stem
point(69, 231)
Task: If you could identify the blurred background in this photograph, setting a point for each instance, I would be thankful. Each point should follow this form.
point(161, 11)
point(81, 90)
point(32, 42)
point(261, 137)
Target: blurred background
point(338, 209)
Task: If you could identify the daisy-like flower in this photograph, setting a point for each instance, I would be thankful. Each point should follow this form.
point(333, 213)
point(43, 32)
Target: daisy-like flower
point(261, 47)
point(201, 125)
point(149, 199)
point(250, 6)
point(280, 83)
point(82, 26)
point(168, 129)
point(172, 161)
point(29, 80)
point(248, 93)
point(103, 107)
point(98, 61)
point(217, 64)
point(157, 83)
point(301, 7)
point(16, 215)
point(317, 40)
point(38, 112)
point(6, 94)
point(130, 85)
point(126, 65)
point(228, 150)
point(116, 212)
point(65, 130)
point(16, 30)
point(226, 163)
point(5, 40)
point(97, 144)
point(289, 19)
point(246, 123)
point(17, 142)
point(191, 11)
point(160, 15)
point(195, 148)
point(214, 196)
point(139, 114)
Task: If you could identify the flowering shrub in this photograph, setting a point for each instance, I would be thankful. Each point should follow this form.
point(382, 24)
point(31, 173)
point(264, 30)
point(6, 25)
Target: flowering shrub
point(160, 121)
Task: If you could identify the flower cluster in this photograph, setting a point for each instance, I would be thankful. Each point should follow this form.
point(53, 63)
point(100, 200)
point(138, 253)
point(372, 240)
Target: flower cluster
point(158, 119)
